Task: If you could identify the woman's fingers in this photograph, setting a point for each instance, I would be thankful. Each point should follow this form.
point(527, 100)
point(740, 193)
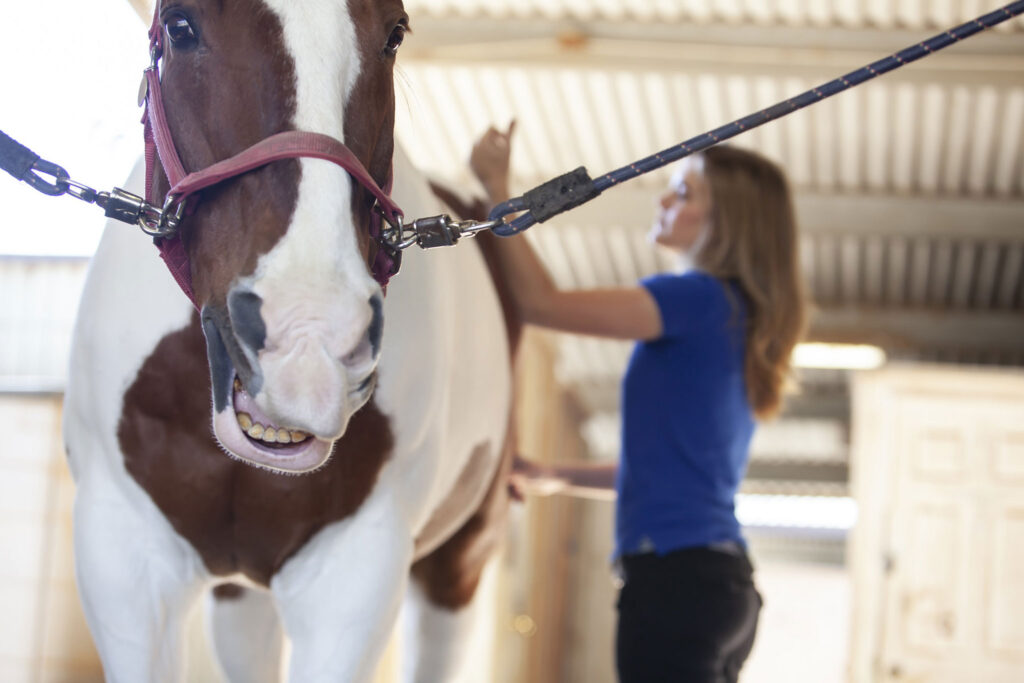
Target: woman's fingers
point(489, 160)
point(534, 479)
point(515, 492)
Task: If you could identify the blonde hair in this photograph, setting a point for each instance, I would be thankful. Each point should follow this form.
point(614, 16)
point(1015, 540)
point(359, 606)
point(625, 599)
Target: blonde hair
point(753, 241)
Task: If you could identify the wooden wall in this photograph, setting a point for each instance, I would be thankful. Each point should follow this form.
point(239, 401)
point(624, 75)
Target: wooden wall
point(549, 431)
point(43, 636)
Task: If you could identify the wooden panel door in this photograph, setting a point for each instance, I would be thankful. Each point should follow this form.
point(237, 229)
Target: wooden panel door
point(940, 478)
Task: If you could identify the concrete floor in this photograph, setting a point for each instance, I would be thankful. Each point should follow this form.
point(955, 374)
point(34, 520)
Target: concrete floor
point(804, 628)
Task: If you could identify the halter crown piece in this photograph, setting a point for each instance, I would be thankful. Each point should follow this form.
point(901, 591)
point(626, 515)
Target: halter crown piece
point(286, 145)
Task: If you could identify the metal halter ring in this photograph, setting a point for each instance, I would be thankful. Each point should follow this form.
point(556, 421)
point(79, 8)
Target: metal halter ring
point(163, 223)
point(395, 235)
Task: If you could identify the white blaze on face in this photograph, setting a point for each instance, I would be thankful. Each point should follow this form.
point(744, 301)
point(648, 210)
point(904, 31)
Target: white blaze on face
point(314, 283)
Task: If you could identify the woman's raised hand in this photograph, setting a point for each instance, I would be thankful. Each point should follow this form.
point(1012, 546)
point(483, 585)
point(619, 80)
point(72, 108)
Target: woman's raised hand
point(489, 162)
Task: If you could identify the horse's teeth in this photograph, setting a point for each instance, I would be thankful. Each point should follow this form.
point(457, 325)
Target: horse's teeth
point(269, 434)
point(238, 384)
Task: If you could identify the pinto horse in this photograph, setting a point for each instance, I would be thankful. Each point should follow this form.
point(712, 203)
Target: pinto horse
point(295, 440)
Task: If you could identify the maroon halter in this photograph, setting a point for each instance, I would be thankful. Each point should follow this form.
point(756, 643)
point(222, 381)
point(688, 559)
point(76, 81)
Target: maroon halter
point(287, 145)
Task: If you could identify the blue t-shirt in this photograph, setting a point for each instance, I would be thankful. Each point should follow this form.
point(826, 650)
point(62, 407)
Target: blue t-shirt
point(687, 423)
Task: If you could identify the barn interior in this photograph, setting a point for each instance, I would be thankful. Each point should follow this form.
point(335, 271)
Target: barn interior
point(884, 508)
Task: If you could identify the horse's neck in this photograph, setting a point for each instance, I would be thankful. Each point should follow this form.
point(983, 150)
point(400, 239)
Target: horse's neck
point(445, 356)
point(129, 302)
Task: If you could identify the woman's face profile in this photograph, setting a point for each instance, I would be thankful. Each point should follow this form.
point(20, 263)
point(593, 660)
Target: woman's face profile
point(684, 208)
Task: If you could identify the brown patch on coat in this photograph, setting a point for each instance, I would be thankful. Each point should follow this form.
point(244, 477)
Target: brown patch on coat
point(238, 518)
point(212, 119)
point(450, 574)
point(370, 110)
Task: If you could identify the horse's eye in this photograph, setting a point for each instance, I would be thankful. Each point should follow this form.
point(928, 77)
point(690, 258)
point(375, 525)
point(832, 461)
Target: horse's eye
point(395, 39)
point(180, 32)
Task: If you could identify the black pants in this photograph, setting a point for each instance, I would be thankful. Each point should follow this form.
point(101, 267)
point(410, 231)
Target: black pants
point(688, 616)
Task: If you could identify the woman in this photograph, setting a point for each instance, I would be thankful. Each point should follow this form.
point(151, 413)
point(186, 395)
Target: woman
point(712, 355)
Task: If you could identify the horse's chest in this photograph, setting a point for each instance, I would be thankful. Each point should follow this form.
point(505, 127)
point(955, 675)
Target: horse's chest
point(239, 518)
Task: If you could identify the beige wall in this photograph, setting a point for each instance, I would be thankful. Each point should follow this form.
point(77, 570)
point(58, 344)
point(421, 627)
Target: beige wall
point(144, 8)
point(549, 430)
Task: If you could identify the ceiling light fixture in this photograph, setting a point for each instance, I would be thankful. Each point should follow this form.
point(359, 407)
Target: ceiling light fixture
point(838, 356)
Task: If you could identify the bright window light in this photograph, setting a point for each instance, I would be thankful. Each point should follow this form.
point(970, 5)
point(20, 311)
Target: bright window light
point(838, 356)
point(70, 81)
point(796, 512)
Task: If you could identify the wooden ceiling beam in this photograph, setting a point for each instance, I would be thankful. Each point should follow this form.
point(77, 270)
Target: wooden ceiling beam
point(916, 332)
point(632, 205)
point(903, 333)
point(808, 52)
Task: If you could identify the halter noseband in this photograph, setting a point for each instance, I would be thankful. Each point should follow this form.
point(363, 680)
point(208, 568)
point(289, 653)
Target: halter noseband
point(287, 145)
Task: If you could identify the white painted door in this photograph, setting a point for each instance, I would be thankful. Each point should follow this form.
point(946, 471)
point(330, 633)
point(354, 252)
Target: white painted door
point(941, 478)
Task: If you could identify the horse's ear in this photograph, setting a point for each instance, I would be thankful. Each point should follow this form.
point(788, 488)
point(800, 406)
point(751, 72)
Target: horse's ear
point(474, 210)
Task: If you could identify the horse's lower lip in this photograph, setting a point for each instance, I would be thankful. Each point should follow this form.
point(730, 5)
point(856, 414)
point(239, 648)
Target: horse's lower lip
point(306, 455)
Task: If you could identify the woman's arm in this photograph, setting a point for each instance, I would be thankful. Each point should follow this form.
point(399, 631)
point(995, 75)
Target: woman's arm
point(626, 313)
point(579, 479)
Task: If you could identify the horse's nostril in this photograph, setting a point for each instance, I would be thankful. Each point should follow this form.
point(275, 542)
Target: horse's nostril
point(244, 307)
point(376, 328)
point(361, 355)
point(369, 382)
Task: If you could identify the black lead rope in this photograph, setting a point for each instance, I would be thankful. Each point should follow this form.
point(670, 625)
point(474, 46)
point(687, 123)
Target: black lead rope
point(121, 205)
point(576, 187)
point(24, 164)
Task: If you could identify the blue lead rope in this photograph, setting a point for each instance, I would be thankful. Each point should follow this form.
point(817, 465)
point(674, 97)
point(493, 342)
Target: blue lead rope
point(572, 189)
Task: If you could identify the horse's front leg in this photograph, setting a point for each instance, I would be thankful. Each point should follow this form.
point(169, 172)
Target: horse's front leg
point(137, 580)
point(339, 596)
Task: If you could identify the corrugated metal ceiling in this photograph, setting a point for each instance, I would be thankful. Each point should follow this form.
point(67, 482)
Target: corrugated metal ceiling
point(910, 189)
point(932, 155)
point(949, 138)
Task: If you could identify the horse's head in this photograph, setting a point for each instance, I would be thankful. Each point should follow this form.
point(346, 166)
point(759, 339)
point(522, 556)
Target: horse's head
point(279, 256)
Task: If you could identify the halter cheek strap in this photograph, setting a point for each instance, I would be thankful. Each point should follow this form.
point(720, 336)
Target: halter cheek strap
point(287, 145)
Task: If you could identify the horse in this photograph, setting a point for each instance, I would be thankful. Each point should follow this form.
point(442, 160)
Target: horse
point(293, 441)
